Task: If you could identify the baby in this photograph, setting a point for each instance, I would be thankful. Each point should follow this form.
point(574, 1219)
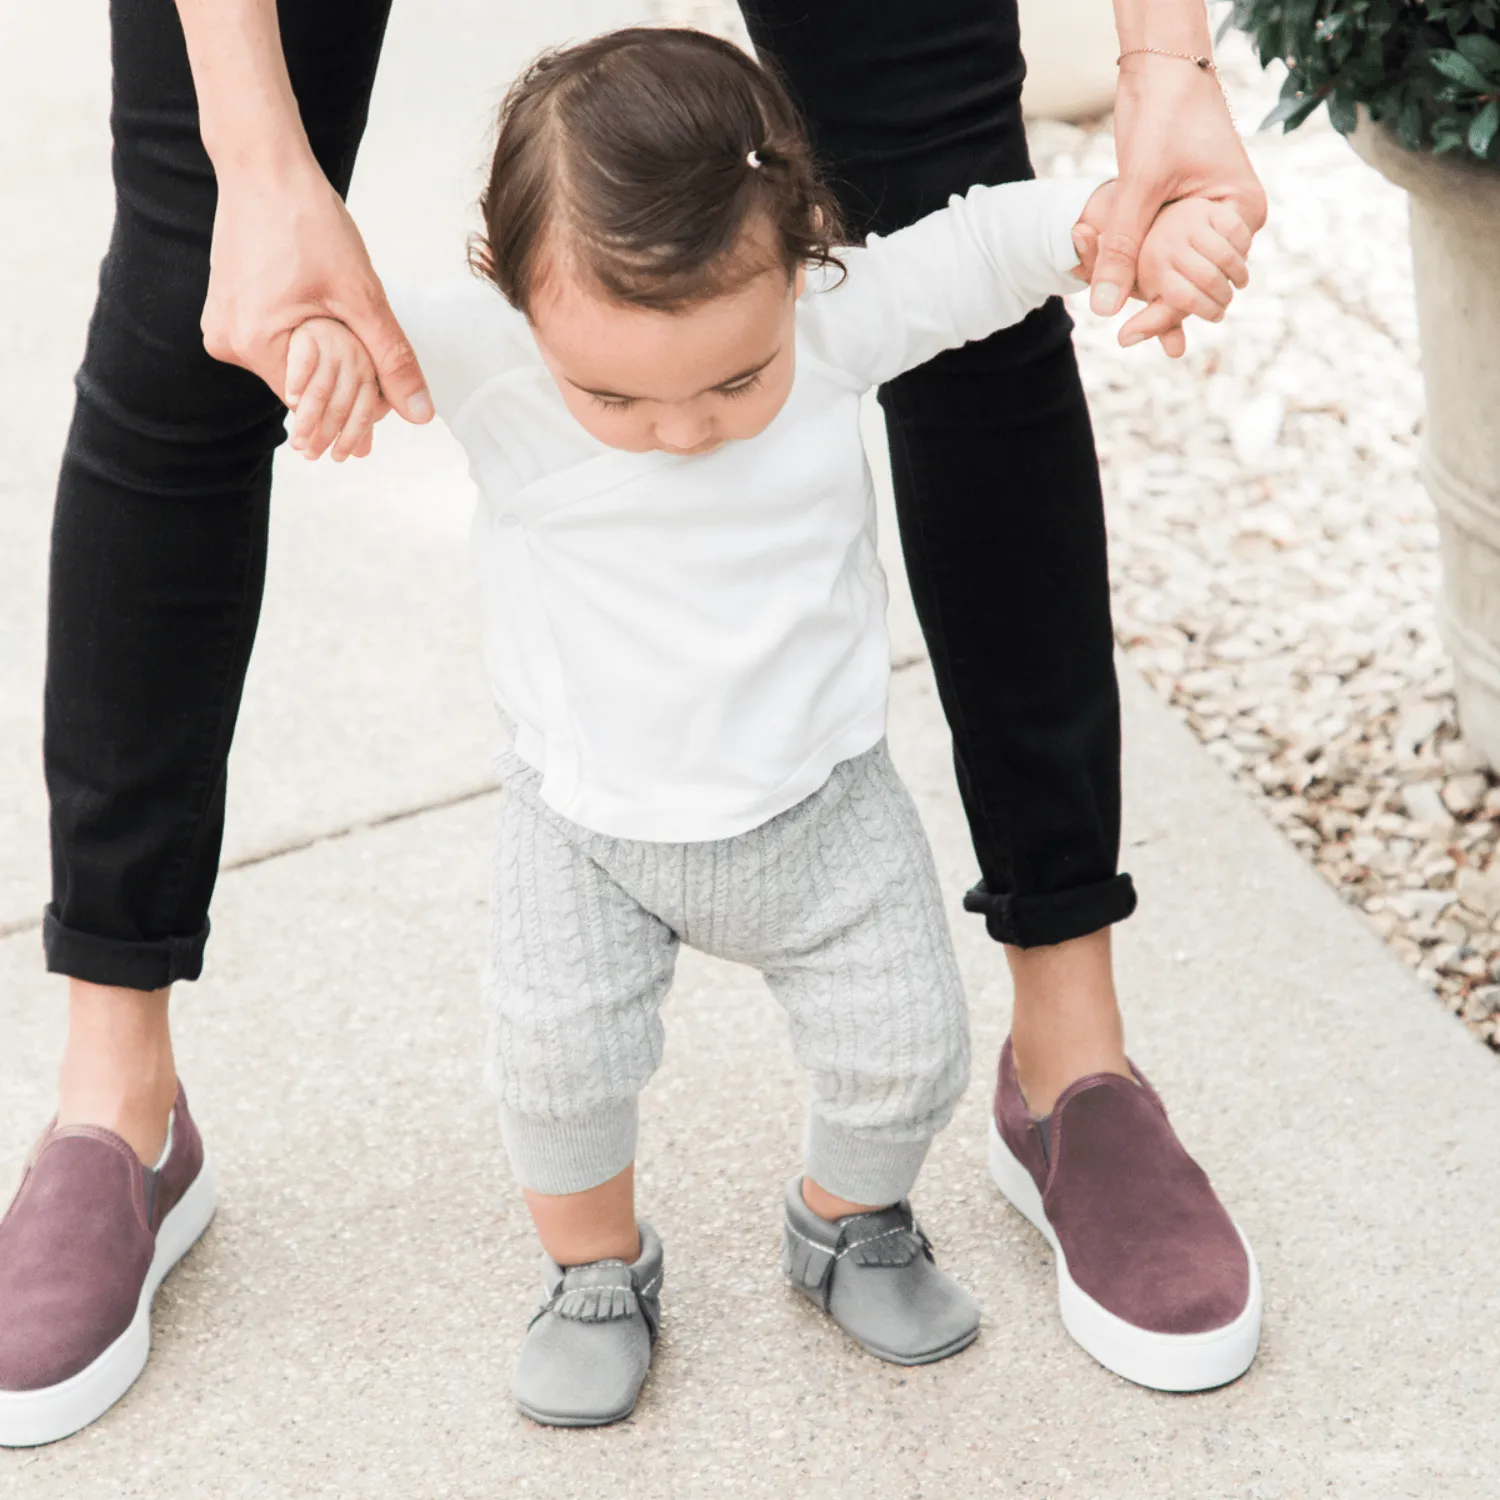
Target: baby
point(657, 378)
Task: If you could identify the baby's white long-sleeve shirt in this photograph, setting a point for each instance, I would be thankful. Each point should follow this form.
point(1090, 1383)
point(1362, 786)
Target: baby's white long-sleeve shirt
point(688, 646)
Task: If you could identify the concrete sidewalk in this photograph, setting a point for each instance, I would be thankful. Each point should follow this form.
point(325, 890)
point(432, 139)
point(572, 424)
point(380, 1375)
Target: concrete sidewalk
point(346, 1328)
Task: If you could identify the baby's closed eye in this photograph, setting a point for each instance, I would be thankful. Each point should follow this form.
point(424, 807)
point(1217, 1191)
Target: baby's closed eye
point(740, 388)
point(624, 403)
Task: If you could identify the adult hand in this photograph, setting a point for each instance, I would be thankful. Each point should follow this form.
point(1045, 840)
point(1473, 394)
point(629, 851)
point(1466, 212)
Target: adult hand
point(1173, 139)
point(285, 250)
point(1191, 261)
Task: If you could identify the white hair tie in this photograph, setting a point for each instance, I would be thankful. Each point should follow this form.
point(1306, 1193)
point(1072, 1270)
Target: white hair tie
point(752, 159)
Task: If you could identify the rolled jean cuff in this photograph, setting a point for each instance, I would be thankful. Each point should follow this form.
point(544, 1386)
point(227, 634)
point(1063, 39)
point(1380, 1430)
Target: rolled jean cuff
point(1039, 921)
point(570, 1153)
point(128, 965)
point(862, 1169)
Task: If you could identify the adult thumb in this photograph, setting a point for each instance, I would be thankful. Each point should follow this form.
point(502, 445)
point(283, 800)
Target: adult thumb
point(400, 375)
point(1120, 241)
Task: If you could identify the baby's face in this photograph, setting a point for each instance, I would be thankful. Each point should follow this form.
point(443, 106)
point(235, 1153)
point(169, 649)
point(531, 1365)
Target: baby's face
point(676, 382)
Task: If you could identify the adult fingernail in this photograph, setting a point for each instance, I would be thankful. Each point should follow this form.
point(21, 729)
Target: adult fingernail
point(1106, 298)
point(1127, 339)
point(420, 406)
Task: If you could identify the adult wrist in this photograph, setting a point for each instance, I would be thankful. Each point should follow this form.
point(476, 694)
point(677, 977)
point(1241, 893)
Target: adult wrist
point(1178, 79)
point(1164, 63)
point(259, 155)
point(1174, 25)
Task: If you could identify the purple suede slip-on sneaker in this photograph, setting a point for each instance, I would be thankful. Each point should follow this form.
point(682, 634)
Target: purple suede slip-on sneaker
point(1154, 1279)
point(86, 1241)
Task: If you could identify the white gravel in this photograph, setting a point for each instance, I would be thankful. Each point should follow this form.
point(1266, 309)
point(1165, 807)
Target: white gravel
point(1275, 558)
point(1274, 554)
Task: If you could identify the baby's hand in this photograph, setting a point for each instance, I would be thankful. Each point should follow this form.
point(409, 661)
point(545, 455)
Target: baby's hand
point(1191, 262)
point(331, 386)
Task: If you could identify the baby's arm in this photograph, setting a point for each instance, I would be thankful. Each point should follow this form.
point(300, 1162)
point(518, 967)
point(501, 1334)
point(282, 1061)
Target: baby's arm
point(1191, 262)
point(959, 274)
point(332, 389)
point(991, 256)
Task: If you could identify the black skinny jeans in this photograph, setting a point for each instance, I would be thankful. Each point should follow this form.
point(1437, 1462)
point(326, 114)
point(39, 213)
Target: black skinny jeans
point(159, 540)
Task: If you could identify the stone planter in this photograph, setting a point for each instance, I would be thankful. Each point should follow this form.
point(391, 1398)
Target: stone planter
point(1455, 245)
point(1070, 48)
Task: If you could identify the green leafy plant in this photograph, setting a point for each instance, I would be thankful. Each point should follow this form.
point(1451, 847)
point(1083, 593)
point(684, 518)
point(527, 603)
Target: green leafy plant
point(1430, 69)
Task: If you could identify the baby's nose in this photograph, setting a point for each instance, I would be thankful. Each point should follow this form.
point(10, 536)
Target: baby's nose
point(682, 433)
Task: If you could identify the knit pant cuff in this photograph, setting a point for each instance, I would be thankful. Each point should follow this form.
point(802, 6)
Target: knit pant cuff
point(573, 1153)
point(863, 1170)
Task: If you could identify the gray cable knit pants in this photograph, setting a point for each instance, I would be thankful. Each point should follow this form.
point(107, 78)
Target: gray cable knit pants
point(835, 901)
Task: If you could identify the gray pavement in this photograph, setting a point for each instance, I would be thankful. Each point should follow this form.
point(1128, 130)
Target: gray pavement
point(346, 1327)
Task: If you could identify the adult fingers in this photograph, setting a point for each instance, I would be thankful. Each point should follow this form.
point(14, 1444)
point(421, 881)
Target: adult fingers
point(1246, 197)
point(1134, 206)
point(396, 367)
point(1174, 342)
point(1232, 226)
point(1150, 323)
point(368, 409)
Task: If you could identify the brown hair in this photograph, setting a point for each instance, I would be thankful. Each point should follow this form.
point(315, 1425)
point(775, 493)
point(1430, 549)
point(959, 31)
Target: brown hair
point(637, 154)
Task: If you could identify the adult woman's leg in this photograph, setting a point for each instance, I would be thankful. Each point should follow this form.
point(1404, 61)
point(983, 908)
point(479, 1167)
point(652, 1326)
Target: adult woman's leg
point(158, 560)
point(1002, 524)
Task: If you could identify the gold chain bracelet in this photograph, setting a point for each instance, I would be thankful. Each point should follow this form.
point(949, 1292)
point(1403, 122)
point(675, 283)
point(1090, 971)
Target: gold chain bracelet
point(1206, 63)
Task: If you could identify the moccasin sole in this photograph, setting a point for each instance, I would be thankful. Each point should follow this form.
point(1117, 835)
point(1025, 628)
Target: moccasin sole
point(927, 1357)
point(551, 1419)
point(1161, 1361)
point(30, 1418)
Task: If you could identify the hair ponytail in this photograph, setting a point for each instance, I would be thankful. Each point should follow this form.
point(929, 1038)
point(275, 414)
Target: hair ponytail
point(649, 155)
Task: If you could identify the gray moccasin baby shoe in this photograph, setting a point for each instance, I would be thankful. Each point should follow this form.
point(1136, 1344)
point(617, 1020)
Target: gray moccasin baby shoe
point(589, 1346)
point(875, 1276)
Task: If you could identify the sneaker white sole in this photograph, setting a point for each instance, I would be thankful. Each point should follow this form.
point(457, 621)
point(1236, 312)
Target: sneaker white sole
point(1162, 1361)
point(29, 1418)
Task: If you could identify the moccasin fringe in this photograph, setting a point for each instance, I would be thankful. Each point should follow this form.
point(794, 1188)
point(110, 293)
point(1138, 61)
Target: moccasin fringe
point(595, 1304)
